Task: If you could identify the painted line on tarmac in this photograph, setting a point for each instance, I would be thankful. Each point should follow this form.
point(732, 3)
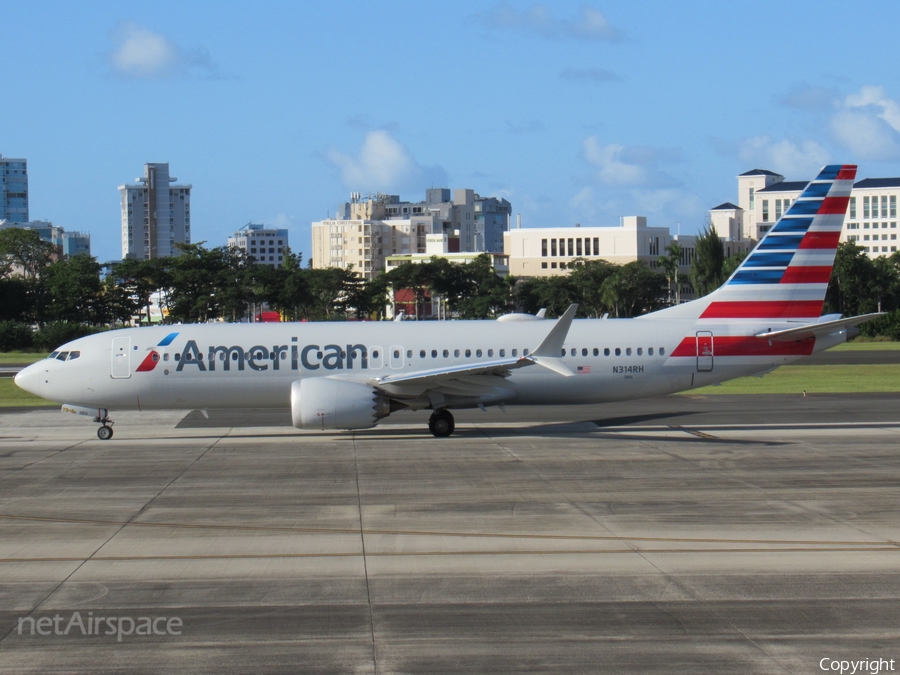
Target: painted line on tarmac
point(408, 554)
point(434, 533)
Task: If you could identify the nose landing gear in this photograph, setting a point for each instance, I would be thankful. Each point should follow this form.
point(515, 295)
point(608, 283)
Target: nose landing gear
point(105, 432)
point(441, 423)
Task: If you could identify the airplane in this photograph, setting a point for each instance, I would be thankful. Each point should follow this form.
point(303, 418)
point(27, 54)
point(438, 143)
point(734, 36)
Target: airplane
point(351, 375)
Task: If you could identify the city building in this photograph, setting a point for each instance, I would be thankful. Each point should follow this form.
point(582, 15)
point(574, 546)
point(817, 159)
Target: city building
point(367, 230)
point(264, 245)
point(13, 190)
point(67, 243)
point(156, 214)
point(871, 219)
point(548, 251)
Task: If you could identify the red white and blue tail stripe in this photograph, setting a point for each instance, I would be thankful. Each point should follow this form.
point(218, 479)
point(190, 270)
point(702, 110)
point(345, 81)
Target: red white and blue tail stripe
point(785, 277)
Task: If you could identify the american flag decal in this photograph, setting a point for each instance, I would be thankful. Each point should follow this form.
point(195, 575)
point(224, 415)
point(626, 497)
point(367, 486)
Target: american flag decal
point(584, 370)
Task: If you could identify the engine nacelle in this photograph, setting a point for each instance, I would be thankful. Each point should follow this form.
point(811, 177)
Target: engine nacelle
point(329, 403)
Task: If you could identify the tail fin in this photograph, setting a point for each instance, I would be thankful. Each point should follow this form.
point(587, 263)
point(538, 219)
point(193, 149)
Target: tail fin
point(785, 277)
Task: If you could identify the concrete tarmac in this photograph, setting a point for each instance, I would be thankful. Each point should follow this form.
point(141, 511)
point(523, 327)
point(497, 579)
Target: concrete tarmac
point(726, 534)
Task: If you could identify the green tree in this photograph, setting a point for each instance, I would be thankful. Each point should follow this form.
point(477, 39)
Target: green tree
point(26, 249)
point(73, 291)
point(851, 279)
point(707, 271)
point(732, 262)
point(670, 263)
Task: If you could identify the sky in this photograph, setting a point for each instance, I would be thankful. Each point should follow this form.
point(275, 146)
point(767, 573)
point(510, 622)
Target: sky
point(576, 113)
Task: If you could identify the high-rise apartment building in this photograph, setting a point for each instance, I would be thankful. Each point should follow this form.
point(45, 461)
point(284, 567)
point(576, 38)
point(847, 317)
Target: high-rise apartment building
point(265, 245)
point(156, 214)
point(13, 190)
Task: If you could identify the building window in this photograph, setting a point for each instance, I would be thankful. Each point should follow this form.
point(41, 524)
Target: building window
point(777, 209)
point(765, 210)
point(571, 248)
point(893, 206)
point(752, 198)
point(884, 206)
point(543, 265)
point(578, 246)
point(553, 247)
point(596, 245)
point(544, 248)
point(865, 207)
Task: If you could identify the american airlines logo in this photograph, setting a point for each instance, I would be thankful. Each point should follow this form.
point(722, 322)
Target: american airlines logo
point(262, 357)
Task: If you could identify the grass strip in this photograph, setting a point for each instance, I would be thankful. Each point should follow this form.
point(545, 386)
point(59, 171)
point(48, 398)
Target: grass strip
point(832, 379)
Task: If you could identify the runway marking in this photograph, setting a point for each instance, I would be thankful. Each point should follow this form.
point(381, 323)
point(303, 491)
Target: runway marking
point(390, 554)
point(435, 533)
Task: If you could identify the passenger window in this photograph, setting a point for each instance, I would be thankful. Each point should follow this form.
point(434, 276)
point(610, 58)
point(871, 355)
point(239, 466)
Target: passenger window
point(502, 353)
point(606, 351)
point(421, 353)
point(478, 353)
point(178, 357)
point(628, 351)
point(155, 356)
point(446, 353)
point(650, 351)
point(468, 353)
point(524, 352)
point(409, 353)
point(456, 353)
point(596, 352)
point(61, 356)
point(640, 351)
point(166, 356)
point(396, 353)
point(562, 351)
point(618, 351)
point(490, 352)
point(434, 353)
point(515, 352)
point(374, 355)
point(662, 351)
point(584, 351)
point(573, 351)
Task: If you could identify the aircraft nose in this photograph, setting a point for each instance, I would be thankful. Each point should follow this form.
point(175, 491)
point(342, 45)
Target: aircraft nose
point(30, 378)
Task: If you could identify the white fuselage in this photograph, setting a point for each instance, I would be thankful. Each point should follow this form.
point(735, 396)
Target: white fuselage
point(254, 365)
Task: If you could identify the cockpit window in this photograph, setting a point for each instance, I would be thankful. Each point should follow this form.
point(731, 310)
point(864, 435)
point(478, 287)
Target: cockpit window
point(73, 355)
point(53, 355)
point(61, 356)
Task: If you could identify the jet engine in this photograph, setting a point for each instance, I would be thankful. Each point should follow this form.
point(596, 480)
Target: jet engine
point(330, 403)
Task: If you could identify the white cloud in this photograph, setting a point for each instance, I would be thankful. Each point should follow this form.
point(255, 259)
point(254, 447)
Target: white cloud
point(141, 53)
point(383, 164)
point(589, 24)
point(619, 165)
point(787, 157)
point(869, 125)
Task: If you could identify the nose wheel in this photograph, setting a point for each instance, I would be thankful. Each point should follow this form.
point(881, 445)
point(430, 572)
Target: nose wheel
point(105, 432)
point(441, 423)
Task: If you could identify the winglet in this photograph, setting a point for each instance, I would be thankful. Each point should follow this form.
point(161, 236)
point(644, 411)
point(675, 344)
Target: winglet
point(547, 353)
point(552, 344)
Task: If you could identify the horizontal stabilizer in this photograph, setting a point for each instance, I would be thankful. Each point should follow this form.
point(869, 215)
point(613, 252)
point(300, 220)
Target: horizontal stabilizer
point(817, 329)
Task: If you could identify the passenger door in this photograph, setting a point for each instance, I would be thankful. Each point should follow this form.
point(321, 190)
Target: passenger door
point(121, 358)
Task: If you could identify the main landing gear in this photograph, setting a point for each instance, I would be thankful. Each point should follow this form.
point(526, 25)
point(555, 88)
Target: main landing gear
point(105, 432)
point(441, 423)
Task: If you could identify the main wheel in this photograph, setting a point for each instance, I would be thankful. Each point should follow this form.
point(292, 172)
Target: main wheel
point(104, 433)
point(441, 423)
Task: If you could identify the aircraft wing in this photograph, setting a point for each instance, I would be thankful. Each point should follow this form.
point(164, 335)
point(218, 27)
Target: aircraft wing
point(485, 374)
point(817, 329)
